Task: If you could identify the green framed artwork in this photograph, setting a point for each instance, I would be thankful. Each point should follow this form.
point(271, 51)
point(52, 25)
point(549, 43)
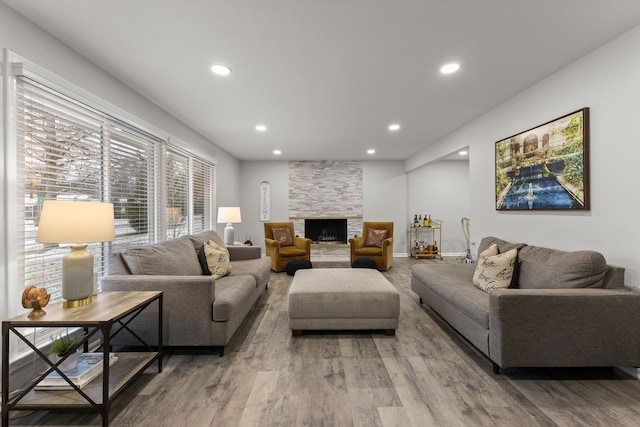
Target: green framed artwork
point(546, 167)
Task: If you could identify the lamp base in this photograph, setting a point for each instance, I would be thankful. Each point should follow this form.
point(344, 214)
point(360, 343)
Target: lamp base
point(77, 302)
point(228, 234)
point(77, 276)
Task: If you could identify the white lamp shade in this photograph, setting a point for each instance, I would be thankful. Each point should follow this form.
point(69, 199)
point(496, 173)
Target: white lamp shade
point(228, 215)
point(69, 221)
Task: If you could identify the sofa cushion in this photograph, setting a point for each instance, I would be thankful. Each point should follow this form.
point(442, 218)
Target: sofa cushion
point(231, 293)
point(288, 251)
point(544, 268)
point(369, 251)
point(171, 258)
point(494, 270)
point(503, 245)
point(217, 257)
point(259, 268)
point(452, 282)
point(199, 239)
point(116, 264)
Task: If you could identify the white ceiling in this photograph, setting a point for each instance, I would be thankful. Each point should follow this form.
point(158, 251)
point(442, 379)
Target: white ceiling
point(328, 76)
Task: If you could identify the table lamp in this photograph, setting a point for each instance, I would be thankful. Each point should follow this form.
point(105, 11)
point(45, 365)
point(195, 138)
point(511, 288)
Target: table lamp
point(76, 223)
point(228, 215)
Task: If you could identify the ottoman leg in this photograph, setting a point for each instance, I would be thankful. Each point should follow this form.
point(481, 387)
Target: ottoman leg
point(390, 332)
point(296, 332)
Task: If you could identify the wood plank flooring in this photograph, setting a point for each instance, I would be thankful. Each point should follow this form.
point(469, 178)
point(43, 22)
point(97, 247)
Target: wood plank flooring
point(425, 375)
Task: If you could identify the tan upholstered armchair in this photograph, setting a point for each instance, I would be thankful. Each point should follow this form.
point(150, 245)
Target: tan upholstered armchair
point(365, 246)
point(282, 251)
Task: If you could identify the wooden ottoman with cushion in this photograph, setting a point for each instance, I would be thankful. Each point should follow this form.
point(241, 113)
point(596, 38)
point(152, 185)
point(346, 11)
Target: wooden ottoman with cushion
point(342, 299)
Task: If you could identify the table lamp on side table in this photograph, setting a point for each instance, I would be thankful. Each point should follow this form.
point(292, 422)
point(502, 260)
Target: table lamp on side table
point(229, 215)
point(76, 223)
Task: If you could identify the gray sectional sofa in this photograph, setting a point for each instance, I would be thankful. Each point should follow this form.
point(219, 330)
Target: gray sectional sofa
point(563, 309)
point(198, 310)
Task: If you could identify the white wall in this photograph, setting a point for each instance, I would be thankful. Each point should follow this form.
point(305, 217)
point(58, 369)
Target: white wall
point(606, 80)
point(253, 173)
point(441, 189)
point(384, 187)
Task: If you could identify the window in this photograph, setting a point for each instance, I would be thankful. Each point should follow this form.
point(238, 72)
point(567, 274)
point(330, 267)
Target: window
point(189, 193)
point(69, 150)
point(202, 183)
point(60, 156)
point(132, 183)
point(177, 206)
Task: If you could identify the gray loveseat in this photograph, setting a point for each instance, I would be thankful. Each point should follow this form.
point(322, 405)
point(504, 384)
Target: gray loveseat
point(197, 310)
point(563, 309)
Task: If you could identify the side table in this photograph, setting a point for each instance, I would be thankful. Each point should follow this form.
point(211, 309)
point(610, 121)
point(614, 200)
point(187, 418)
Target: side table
point(97, 320)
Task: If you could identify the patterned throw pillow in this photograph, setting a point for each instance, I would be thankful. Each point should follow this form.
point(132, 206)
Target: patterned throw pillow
point(375, 237)
point(494, 270)
point(218, 259)
point(283, 236)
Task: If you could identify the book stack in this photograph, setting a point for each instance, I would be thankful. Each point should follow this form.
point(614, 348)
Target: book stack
point(89, 367)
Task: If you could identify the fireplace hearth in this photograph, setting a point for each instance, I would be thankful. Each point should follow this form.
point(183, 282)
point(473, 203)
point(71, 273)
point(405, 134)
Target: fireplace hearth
point(326, 230)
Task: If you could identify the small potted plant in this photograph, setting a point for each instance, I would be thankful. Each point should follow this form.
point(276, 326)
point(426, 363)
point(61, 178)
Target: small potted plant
point(64, 345)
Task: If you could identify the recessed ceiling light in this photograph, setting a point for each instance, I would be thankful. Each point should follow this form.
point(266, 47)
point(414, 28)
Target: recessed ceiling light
point(371, 151)
point(221, 70)
point(394, 126)
point(450, 68)
point(277, 152)
point(261, 128)
point(463, 152)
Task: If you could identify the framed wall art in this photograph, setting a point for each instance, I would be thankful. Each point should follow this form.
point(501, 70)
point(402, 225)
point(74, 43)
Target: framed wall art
point(546, 167)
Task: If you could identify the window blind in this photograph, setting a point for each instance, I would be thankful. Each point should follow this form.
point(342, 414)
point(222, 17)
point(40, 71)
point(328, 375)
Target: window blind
point(132, 184)
point(177, 190)
point(202, 184)
point(69, 150)
point(59, 157)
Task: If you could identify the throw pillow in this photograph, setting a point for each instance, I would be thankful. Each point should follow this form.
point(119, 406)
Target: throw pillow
point(283, 236)
point(375, 237)
point(218, 259)
point(202, 259)
point(494, 270)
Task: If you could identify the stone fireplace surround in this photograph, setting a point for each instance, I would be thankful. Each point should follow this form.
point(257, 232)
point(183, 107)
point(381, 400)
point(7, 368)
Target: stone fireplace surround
point(326, 190)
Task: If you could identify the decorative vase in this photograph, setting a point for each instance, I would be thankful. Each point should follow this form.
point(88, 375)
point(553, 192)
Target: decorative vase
point(70, 362)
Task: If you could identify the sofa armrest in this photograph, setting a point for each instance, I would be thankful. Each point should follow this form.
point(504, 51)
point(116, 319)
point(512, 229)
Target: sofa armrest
point(564, 327)
point(271, 243)
point(272, 248)
point(388, 242)
point(356, 242)
point(302, 243)
point(187, 309)
point(240, 253)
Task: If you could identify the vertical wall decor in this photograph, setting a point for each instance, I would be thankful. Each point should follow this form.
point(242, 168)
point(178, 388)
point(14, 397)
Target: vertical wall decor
point(265, 201)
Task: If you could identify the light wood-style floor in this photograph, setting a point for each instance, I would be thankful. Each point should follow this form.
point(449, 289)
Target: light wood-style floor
point(425, 375)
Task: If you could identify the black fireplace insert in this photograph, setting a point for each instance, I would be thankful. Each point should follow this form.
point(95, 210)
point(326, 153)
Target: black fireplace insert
point(326, 230)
